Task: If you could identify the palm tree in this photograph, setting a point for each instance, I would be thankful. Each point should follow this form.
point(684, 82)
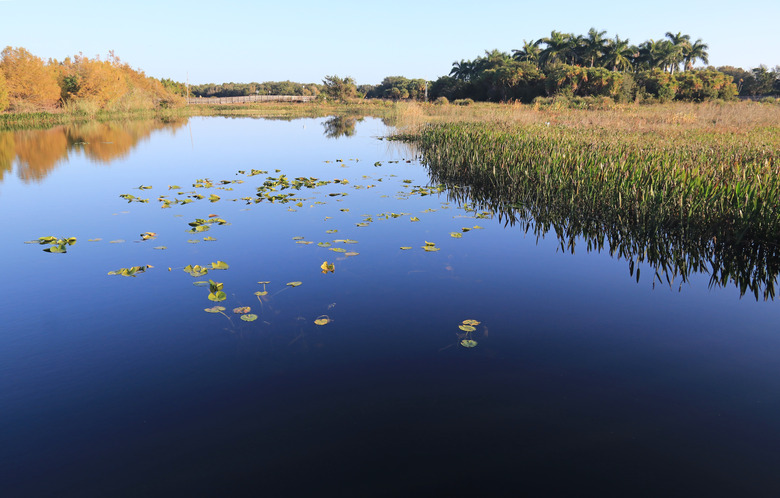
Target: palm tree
point(594, 45)
point(462, 70)
point(529, 53)
point(558, 49)
point(696, 51)
point(681, 44)
point(619, 54)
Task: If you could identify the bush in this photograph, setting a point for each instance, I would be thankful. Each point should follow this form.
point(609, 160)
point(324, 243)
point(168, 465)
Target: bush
point(441, 101)
point(462, 102)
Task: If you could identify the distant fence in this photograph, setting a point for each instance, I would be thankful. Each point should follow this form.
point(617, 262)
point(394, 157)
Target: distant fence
point(251, 98)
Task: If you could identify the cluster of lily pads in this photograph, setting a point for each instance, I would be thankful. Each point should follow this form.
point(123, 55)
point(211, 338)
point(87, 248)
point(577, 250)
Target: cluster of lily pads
point(58, 245)
point(277, 188)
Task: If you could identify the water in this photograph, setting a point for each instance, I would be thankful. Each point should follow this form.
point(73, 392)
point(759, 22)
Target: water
point(583, 381)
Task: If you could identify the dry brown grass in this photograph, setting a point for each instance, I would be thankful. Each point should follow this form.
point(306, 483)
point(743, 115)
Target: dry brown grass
point(718, 117)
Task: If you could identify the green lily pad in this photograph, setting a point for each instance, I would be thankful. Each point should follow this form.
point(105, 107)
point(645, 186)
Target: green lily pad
point(249, 317)
point(220, 265)
point(405, 248)
point(468, 343)
point(351, 253)
point(209, 239)
point(466, 328)
point(324, 244)
point(414, 218)
point(297, 238)
point(456, 235)
point(337, 249)
point(242, 310)
point(322, 320)
point(431, 248)
point(294, 284)
point(214, 309)
point(217, 296)
point(200, 283)
point(331, 231)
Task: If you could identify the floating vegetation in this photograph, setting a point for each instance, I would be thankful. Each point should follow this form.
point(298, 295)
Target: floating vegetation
point(196, 270)
point(215, 291)
point(430, 246)
point(456, 235)
point(242, 310)
point(406, 248)
point(249, 317)
point(59, 245)
point(322, 320)
point(294, 284)
point(214, 309)
point(467, 326)
point(160, 248)
point(219, 265)
point(327, 267)
point(130, 272)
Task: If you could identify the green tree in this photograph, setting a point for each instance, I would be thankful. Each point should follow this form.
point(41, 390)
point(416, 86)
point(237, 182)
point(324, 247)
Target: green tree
point(618, 55)
point(559, 48)
point(595, 46)
point(339, 88)
point(694, 52)
point(529, 53)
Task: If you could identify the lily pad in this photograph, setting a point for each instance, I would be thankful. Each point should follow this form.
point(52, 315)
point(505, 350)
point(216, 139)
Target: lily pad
point(250, 317)
point(456, 235)
point(468, 343)
point(471, 322)
point(220, 265)
point(297, 238)
point(414, 218)
point(327, 267)
point(405, 248)
point(466, 328)
point(324, 244)
point(351, 253)
point(322, 320)
point(294, 284)
point(217, 296)
point(337, 249)
point(431, 248)
point(130, 272)
point(261, 293)
point(209, 239)
point(160, 248)
point(242, 310)
point(214, 309)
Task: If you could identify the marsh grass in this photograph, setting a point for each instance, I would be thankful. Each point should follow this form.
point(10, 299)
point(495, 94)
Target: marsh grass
point(681, 187)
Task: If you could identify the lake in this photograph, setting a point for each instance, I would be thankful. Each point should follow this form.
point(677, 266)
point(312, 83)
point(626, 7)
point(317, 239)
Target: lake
point(570, 376)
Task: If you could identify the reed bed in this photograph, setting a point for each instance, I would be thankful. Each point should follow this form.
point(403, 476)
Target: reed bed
point(712, 192)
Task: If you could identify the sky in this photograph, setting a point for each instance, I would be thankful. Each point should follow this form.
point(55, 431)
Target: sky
point(244, 41)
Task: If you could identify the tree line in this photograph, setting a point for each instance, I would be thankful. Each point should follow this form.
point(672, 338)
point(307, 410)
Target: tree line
point(79, 84)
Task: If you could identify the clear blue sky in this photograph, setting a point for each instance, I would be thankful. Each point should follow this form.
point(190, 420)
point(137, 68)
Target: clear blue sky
point(243, 41)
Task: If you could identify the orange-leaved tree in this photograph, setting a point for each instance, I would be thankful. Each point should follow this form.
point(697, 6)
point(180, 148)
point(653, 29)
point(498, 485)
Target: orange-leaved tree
point(30, 82)
point(3, 93)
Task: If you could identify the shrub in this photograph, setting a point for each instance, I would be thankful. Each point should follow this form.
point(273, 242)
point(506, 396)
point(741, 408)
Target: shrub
point(441, 101)
point(463, 102)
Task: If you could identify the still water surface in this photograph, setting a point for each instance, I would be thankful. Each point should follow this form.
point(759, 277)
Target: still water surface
point(583, 380)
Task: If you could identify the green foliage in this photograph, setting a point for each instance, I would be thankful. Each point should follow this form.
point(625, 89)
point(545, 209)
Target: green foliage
point(441, 101)
point(338, 88)
point(399, 88)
